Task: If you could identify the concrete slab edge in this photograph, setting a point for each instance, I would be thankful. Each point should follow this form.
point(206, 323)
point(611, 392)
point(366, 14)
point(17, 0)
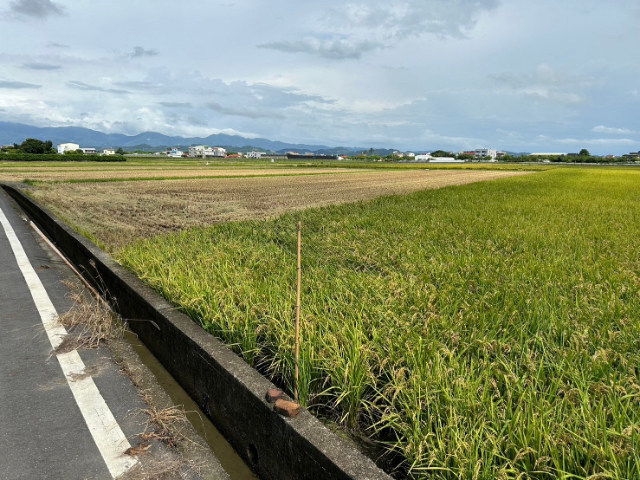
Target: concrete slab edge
point(225, 387)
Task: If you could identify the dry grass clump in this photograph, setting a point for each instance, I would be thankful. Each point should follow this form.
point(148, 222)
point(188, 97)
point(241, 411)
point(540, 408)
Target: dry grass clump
point(90, 321)
point(164, 423)
point(114, 214)
point(164, 469)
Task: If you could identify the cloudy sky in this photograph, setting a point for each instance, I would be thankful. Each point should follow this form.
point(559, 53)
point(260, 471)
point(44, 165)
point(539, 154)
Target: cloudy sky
point(543, 75)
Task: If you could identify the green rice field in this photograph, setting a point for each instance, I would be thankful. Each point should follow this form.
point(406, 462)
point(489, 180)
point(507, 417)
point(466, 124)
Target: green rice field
point(484, 331)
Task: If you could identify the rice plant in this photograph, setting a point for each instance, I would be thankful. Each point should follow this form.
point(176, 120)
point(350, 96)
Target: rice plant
point(482, 331)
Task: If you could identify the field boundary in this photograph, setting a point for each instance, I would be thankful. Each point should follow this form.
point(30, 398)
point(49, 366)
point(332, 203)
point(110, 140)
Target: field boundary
point(228, 390)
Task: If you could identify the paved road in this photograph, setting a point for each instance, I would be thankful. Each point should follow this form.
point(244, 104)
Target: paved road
point(55, 421)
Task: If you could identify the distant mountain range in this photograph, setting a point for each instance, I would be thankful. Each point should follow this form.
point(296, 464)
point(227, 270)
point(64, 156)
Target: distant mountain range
point(11, 133)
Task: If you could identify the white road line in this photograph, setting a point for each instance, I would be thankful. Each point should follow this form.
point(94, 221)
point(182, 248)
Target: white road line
point(103, 426)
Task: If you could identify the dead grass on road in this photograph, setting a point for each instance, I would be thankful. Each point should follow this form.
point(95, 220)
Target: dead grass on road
point(115, 214)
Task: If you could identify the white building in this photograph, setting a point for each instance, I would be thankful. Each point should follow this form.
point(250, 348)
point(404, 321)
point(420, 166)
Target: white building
point(175, 153)
point(409, 154)
point(109, 151)
point(255, 154)
point(445, 160)
point(88, 151)
point(200, 151)
point(67, 147)
point(486, 152)
point(204, 151)
point(429, 159)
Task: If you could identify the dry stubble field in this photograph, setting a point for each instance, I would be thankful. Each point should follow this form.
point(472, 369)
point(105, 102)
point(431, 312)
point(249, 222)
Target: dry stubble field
point(117, 213)
point(60, 174)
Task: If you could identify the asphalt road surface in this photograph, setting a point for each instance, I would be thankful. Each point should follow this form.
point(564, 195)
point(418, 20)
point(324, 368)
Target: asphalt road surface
point(65, 416)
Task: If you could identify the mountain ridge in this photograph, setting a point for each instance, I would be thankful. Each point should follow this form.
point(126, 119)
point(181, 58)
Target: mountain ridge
point(18, 132)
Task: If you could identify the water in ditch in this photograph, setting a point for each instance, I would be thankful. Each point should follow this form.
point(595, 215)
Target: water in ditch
point(224, 452)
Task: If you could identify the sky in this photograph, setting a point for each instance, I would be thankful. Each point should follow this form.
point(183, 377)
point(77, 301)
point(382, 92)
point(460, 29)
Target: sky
point(535, 76)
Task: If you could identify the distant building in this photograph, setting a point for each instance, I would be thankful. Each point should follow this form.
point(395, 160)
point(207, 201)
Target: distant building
point(255, 154)
point(204, 151)
point(445, 160)
point(175, 153)
point(486, 152)
point(67, 147)
point(501, 154)
point(427, 158)
point(409, 154)
point(546, 154)
point(88, 151)
point(108, 151)
point(632, 156)
point(309, 156)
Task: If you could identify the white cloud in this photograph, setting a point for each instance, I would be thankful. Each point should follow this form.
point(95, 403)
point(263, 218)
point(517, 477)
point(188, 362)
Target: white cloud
point(348, 31)
point(337, 49)
point(612, 130)
point(40, 66)
point(607, 142)
point(436, 139)
point(40, 9)
point(13, 85)
point(142, 52)
point(94, 88)
point(543, 75)
point(402, 19)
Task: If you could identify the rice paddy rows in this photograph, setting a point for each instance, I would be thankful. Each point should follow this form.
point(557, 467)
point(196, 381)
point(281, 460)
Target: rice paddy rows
point(482, 331)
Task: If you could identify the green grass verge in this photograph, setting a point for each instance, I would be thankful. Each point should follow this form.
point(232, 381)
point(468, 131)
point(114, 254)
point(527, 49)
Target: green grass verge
point(485, 331)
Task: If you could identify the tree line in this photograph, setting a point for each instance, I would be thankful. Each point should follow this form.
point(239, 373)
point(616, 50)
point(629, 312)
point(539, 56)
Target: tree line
point(34, 150)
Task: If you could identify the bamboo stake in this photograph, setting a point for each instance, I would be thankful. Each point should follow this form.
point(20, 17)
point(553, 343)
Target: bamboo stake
point(298, 306)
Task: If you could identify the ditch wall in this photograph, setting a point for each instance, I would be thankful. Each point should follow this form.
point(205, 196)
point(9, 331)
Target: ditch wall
point(226, 388)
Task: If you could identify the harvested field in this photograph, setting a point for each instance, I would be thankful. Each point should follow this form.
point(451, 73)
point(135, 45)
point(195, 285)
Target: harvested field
point(114, 214)
point(75, 174)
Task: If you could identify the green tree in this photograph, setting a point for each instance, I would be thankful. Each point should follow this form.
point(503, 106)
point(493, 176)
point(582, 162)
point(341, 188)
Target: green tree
point(79, 152)
point(440, 153)
point(584, 153)
point(120, 151)
point(35, 146)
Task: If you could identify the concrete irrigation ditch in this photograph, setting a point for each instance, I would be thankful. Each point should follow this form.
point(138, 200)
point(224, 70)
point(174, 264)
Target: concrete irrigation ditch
point(228, 390)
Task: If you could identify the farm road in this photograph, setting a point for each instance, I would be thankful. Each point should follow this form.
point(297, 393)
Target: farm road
point(68, 415)
point(43, 433)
